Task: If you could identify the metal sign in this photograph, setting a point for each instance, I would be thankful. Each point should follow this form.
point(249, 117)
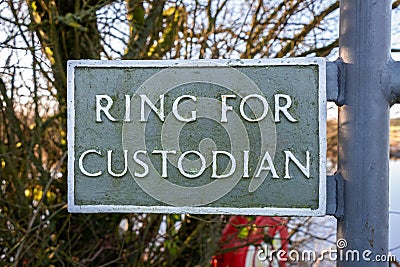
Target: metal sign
point(217, 136)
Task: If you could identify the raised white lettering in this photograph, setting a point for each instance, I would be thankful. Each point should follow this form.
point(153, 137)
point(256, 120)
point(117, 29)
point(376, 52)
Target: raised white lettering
point(304, 169)
point(160, 112)
point(283, 109)
point(224, 107)
point(109, 160)
point(106, 109)
point(80, 163)
point(141, 163)
point(164, 154)
point(263, 101)
point(267, 158)
point(175, 109)
point(214, 164)
point(199, 172)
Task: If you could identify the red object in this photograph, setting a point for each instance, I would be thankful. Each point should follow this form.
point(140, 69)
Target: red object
point(243, 238)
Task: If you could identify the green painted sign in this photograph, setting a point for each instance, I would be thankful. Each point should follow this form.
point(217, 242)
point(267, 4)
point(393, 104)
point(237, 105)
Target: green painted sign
point(216, 136)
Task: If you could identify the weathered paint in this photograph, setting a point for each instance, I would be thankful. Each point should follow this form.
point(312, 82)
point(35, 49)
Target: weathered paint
point(302, 79)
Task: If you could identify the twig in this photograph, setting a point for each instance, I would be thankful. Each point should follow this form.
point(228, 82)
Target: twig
point(36, 212)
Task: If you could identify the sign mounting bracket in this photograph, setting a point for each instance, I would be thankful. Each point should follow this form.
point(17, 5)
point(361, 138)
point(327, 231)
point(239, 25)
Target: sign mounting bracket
point(335, 81)
point(335, 195)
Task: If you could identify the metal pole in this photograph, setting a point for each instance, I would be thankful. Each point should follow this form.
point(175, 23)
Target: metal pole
point(364, 130)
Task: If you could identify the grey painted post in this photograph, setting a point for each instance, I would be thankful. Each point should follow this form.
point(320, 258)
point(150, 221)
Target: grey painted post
point(364, 128)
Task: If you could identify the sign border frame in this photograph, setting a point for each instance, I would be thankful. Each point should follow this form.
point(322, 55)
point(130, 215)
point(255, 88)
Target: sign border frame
point(269, 211)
